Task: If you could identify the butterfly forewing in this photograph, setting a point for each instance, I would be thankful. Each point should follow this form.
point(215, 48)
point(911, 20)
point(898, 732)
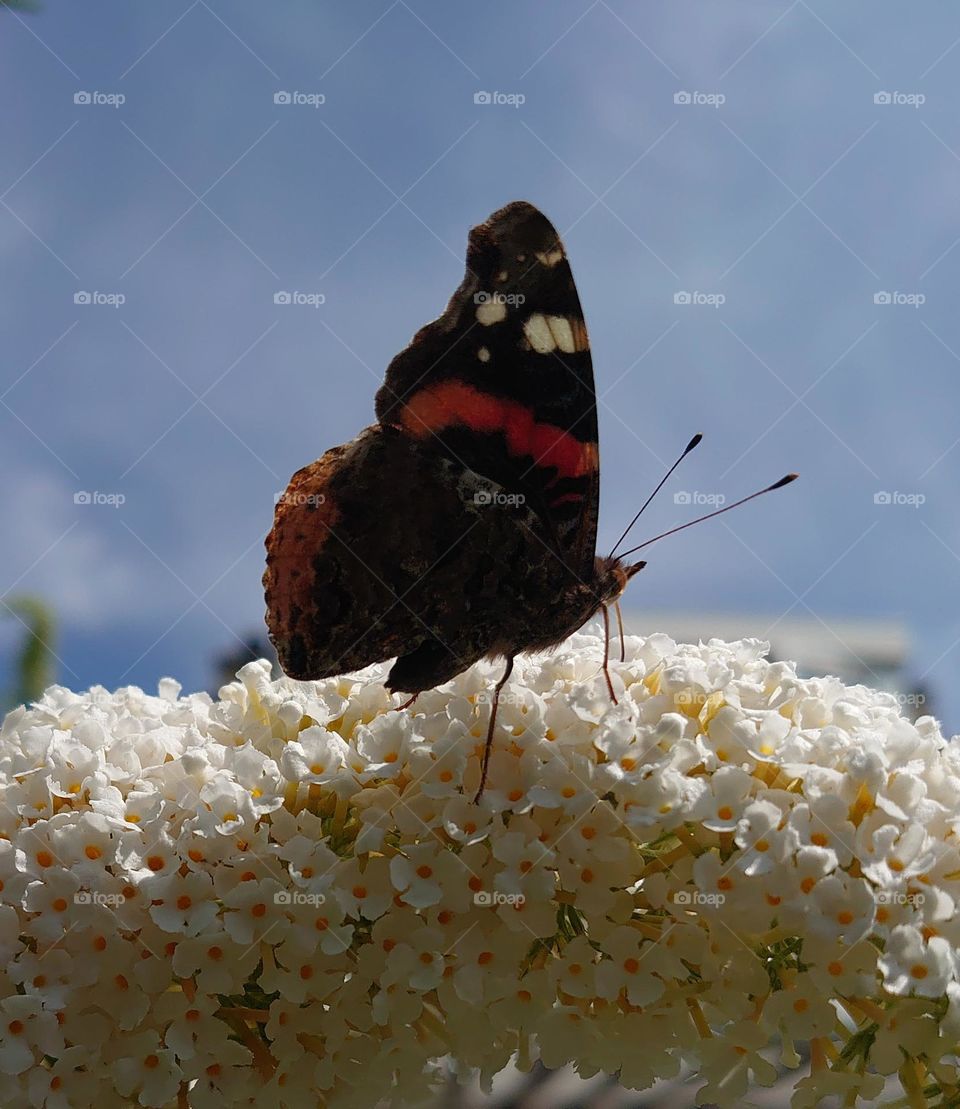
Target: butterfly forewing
point(503, 384)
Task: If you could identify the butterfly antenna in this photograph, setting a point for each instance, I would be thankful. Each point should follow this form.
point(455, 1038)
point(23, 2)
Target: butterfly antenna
point(719, 512)
point(686, 450)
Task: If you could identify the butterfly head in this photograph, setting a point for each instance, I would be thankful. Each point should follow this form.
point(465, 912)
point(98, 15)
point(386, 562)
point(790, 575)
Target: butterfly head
point(613, 575)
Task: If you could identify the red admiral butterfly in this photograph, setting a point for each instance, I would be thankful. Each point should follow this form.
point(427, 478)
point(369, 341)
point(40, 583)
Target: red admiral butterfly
point(462, 525)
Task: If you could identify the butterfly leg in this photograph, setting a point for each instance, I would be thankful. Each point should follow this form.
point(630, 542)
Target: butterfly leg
point(407, 703)
point(606, 653)
point(488, 747)
point(623, 646)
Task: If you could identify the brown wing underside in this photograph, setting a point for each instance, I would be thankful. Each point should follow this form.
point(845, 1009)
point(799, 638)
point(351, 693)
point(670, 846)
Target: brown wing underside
point(385, 548)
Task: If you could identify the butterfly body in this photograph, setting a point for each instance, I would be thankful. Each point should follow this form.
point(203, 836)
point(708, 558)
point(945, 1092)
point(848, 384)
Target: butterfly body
point(463, 524)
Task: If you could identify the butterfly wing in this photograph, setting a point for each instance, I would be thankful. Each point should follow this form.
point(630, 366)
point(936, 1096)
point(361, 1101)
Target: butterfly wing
point(503, 380)
point(385, 547)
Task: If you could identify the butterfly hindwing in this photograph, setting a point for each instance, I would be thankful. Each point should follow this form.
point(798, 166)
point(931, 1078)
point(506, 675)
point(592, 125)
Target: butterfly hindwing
point(502, 382)
point(385, 547)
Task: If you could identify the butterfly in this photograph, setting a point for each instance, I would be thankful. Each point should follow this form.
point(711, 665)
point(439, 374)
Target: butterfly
point(462, 524)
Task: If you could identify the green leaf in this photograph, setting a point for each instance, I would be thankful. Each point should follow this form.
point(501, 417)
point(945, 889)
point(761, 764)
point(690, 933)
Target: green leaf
point(33, 667)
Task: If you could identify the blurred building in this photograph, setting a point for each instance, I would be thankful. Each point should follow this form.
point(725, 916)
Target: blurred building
point(867, 651)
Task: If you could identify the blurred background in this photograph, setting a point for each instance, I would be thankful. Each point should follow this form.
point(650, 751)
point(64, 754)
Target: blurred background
point(220, 221)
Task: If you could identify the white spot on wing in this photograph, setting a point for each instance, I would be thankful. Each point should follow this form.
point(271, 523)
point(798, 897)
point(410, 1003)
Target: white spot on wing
point(551, 258)
point(538, 333)
point(483, 354)
point(491, 311)
point(502, 275)
point(562, 333)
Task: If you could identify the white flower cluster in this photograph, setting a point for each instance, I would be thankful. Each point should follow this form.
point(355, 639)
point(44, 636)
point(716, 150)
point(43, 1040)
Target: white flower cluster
point(287, 897)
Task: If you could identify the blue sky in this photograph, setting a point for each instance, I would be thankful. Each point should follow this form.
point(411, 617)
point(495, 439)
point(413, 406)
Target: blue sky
point(782, 186)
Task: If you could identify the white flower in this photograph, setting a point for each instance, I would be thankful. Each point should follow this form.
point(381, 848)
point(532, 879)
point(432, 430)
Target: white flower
point(219, 964)
point(764, 842)
point(631, 968)
point(841, 908)
point(183, 903)
point(910, 965)
point(287, 896)
point(365, 891)
point(823, 822)
point(316, 756)
point(150, 1071)
point(420, 874)
point(721, 809)
point(256, 909)
point(27, 1031)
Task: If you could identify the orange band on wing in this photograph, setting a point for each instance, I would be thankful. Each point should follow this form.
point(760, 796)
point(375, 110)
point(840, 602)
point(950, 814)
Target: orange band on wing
point(452, 403)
